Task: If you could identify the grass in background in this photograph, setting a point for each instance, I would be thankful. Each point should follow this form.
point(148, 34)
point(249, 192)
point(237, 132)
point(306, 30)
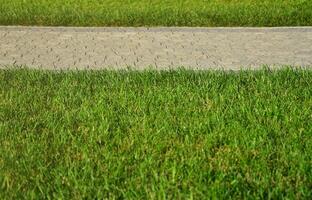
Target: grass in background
point(150, 135)
point(156, 12)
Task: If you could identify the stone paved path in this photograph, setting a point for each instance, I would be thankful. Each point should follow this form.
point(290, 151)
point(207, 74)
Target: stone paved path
point(227, 48)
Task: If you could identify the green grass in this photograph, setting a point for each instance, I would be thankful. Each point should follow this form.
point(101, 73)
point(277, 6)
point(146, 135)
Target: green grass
point(156, 12)
point(156, 135)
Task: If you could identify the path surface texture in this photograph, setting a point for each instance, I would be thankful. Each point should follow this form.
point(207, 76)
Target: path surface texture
point(203, 48)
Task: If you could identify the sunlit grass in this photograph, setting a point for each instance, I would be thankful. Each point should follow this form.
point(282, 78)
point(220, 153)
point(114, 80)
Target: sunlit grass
point(155, 134)
point(156, 12)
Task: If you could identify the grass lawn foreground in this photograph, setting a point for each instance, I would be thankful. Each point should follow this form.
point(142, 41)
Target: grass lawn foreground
point(156, 134)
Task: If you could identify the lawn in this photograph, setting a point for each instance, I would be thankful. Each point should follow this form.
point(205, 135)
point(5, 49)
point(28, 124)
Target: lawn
point(156, 134)
point(156, 12)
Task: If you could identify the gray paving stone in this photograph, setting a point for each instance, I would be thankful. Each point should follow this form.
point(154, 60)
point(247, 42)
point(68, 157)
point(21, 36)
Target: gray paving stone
point(161, 48)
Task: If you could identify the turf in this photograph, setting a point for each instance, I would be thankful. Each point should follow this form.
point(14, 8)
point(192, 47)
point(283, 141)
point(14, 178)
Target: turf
point(156, 12)
point(156, 134)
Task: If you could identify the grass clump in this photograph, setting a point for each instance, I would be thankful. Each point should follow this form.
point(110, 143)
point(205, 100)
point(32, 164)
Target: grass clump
point(156, 12)
point(150, 135)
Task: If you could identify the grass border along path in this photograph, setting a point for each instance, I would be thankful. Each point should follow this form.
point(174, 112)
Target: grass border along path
point(156, 12)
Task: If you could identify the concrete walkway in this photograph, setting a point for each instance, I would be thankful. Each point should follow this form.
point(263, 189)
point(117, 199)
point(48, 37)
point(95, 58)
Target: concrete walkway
point(204, 48)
